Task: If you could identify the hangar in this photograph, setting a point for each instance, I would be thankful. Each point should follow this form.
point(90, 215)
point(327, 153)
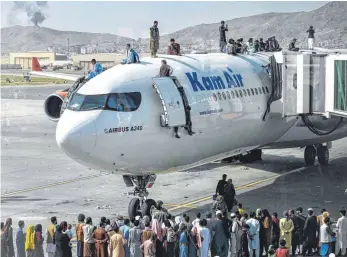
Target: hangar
point(24, 59)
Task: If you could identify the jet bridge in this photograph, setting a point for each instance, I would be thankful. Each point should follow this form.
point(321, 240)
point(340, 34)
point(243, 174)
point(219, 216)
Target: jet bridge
point(309, 82)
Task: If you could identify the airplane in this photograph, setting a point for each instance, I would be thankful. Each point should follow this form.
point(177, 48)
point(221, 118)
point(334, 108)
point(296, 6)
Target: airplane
point(131, 122)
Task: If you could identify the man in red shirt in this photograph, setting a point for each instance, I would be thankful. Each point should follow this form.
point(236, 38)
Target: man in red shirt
point(173, 48)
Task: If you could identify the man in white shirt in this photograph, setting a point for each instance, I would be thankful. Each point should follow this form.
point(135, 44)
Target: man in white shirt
point(341, 225)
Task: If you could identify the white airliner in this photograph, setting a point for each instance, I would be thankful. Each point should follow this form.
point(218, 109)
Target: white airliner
point(124, 120)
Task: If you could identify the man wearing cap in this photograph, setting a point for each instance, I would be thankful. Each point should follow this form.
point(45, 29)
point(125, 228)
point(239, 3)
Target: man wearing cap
point(222, 37)
point(154, 37)
point(220, 239)
point(233, 230)
point(310, 230)
point(341, 233)
point(292, 46)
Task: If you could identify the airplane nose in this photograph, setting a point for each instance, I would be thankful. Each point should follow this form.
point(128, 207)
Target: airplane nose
point(76, 134)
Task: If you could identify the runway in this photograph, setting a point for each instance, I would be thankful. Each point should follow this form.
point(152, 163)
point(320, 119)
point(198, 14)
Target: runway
point(39, 181)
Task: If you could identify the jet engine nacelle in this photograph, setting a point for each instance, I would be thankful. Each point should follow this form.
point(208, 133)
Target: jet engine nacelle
point(53, 105)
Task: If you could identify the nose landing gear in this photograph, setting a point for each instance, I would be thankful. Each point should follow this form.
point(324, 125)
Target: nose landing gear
point(141, 205)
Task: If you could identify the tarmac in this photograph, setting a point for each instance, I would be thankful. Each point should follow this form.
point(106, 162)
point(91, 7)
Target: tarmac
point(39, 181)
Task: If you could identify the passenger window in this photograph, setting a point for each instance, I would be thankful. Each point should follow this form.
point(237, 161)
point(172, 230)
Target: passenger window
point(228, 94)
point(252, 91)
point(249, 92)
point(232, 94)
point(219, 96)
point(244, 92)
point(214, 96)
point(237, 94)
point(124, 102)
point(210, 98)
point(267, 90)
point(240, 93)
point(263, 90)
point(256, 90)
point(259, 90)
point(224, 96)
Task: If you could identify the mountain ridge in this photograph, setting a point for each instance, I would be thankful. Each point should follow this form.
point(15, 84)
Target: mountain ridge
point(329, 21)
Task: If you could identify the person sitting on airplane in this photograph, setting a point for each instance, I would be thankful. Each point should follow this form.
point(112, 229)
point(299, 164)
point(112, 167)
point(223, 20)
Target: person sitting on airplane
point(173, 48)
point(165, 70)
point(231, 47)
point(275, 45)
point(97, 69)
point(262, 45)
point(257, 46)
point(292, 46)
point(250, 46)
point(132, 55)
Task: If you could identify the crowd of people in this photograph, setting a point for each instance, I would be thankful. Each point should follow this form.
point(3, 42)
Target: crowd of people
point(231, 232)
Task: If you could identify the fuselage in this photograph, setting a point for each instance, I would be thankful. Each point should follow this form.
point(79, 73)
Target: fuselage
point(227, 95)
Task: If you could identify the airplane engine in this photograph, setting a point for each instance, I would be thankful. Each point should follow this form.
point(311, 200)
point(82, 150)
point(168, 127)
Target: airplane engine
point(53, 105)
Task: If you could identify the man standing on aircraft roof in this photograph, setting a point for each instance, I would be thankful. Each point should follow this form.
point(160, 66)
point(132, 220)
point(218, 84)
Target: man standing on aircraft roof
point(292, 46)
point(154, 37)
point(97, 69)
point(250, 46)
point(222, 37)
point(310, 42)
point(132, 56)
point(173, 48)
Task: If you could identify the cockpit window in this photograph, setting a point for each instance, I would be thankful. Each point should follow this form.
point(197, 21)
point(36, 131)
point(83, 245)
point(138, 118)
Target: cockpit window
point(80, 102)
point(124, 102)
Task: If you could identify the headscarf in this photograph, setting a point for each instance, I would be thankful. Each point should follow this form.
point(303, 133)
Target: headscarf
point(178, 220)
point(38, 232)
point(220, 198)
point(7, 226)
point(258, 213)
point(157, 229)
point(30, 238)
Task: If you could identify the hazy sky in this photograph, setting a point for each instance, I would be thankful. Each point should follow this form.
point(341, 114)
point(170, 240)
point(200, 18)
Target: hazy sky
point(132, 19)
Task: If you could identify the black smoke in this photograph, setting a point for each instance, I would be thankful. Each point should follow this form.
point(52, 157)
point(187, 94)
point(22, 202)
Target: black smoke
point(34, 10)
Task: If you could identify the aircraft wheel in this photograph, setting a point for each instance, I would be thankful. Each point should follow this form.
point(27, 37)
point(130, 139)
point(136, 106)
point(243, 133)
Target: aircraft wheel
point(323, 154)
point(133, 208)
point(310, 155)
point(147, 208)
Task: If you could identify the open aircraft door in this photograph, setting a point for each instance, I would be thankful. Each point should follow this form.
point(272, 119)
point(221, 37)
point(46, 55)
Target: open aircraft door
point(171, 100)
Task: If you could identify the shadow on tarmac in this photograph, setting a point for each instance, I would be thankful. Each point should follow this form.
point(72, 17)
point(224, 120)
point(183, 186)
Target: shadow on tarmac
point(316, 187)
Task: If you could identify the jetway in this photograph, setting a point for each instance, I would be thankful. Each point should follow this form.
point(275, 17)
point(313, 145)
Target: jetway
point(309, 82)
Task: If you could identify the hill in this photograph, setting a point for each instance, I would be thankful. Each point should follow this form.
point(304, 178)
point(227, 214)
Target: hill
point(329, 21)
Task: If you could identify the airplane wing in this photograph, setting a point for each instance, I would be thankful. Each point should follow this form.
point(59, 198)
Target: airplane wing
point(36, 70)
point(70, 77)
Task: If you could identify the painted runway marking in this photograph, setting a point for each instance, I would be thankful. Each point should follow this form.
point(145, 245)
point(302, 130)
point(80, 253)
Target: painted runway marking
point(186, 205)
point(50, 185)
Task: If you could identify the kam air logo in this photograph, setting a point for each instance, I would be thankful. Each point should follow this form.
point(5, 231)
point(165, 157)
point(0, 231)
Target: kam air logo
point(230, 80)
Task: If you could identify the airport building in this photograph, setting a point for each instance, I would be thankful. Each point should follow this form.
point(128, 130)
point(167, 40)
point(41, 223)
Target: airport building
point(24, 59)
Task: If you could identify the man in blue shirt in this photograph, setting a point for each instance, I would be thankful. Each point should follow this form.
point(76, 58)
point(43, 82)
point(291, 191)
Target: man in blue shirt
point(97, 69)
point(132, 56)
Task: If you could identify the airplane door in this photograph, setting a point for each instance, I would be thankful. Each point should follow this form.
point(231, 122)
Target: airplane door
point(174, 111)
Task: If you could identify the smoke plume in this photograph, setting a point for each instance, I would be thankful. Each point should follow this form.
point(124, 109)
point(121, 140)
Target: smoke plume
point(32, 9)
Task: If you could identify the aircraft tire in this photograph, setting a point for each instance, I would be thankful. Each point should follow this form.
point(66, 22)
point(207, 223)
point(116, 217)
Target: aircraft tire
point(133, 208)
point(147, 207)
point(323, 154)
point(310, 155)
